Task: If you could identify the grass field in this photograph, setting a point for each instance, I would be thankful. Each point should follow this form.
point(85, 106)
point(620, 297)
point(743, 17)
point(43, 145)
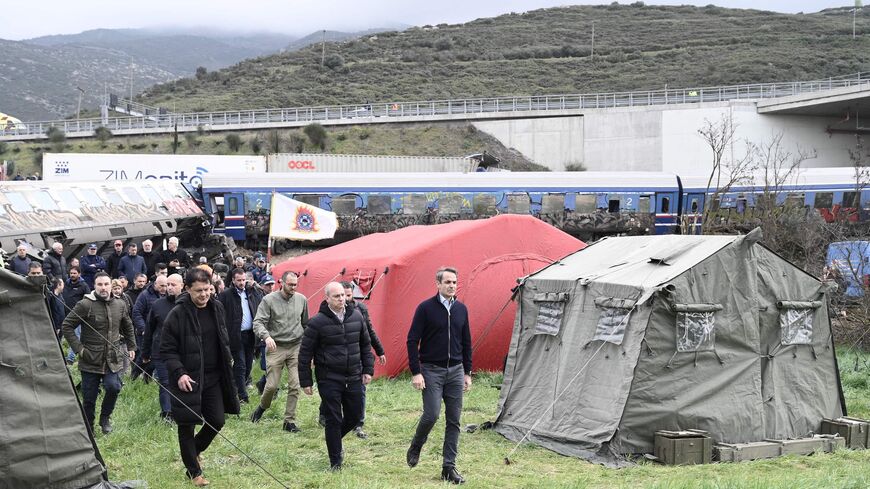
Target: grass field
point(144, 448)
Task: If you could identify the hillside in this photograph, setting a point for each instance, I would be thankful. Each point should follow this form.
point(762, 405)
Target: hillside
point(545, 51)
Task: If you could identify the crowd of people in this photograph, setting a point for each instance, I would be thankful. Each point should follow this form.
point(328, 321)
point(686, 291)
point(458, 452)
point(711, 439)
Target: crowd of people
point(197, 332)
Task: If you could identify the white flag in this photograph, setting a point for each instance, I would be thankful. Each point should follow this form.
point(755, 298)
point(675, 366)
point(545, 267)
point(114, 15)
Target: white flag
point(299, 221)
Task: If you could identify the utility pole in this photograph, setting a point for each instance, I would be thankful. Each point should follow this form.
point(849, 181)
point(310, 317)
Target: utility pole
point(323, 48)
point(858, 4)
point(131, 79)
point(592, 54)
point(79, 108)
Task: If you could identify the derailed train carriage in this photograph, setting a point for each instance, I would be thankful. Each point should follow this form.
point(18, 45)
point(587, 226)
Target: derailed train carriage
point(584, 204)
point(77, 213)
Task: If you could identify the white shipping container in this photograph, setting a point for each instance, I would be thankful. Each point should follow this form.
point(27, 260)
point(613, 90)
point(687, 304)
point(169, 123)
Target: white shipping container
point(77, 167)
point(334, 163)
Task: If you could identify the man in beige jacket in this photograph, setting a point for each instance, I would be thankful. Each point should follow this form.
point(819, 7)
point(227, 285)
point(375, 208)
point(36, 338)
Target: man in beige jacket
point(280, 321)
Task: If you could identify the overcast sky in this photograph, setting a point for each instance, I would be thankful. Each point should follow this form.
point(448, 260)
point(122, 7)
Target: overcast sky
point(22, 19)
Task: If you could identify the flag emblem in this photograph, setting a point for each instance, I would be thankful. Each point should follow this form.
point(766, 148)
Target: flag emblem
point(306, 222)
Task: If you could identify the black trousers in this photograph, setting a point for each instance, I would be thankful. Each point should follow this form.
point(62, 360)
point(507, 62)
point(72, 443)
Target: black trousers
point(342, 404)
point(213, 412)
point(243, 361)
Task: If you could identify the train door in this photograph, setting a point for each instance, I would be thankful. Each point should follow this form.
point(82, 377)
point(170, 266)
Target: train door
point(693, 212)
point(666, 212)
point(234, 216)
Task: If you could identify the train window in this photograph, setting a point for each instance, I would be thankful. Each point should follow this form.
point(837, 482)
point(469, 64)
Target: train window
point(308, 199)
point(484, 204)
point(44, 200)
point(643, 205)
point(19, 203)
point(414, 204)
point(851, 199)
point(450, 204)
point(613, 205)
point(666, 205)
point(714, 206)
point(70, 201)
point(741, 205)
point(585, 203)
point(232, 207)
point(132, 195)
point(794, 200)
point(553, 204)
point(380, 204)
point(113, 196)
point(519, 204)
point(824, 200)
point(694, 205)
point(344, 205)
point(90, 198)
point(152, 195)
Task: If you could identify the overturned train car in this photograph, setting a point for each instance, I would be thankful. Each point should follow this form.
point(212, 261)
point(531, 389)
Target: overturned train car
point(77, 213)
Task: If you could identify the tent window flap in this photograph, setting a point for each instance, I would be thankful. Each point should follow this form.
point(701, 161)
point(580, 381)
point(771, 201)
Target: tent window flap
point(551, 308)
point(613, 320)
point(796, 321)
point(695, 324)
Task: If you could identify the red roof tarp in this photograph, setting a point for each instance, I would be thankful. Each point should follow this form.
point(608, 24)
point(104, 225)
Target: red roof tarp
point(399, 268)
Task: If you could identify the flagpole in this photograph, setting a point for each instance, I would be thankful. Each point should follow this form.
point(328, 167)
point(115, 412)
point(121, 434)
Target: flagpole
point(269, 241)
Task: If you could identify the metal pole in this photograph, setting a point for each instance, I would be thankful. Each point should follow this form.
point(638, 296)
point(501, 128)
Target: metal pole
point(592, 52)
point(323, 48)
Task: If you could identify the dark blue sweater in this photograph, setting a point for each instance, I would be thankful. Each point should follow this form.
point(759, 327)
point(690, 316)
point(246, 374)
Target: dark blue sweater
point(428, 337)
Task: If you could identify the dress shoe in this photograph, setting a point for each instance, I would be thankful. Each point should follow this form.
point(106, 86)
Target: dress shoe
point(105, 425)
point(257, 414)
point(451, 475)
point(360, 433)
point(321, 420)
point(413, 456)
point(199, 481)
point(291, 427)
point(335, 468)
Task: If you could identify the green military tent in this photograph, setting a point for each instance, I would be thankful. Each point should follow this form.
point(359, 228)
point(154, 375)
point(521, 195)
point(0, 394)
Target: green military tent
point(637, 334)
point(44, 440)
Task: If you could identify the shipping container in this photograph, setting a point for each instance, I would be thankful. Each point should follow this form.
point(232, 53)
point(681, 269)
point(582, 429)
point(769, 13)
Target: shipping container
point(334, 163)
point(77, 167)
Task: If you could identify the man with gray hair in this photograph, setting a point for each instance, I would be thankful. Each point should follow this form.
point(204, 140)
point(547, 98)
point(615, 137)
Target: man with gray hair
point(176, 259)
point(337, 341)
point(20, 263)
point(439, 356)
point(54, 264)
point(149, 256)
point(280, 322)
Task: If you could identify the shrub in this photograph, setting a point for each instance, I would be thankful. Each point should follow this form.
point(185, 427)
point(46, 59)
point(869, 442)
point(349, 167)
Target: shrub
point(443, 44)
point(234, 142)
point(333, 61)
point(4, 147)
point(190, 139)
point(102, 134)
point(255, 144)
point(316, 134)
point(296, 143)
point(56, 135)
point(575, 167)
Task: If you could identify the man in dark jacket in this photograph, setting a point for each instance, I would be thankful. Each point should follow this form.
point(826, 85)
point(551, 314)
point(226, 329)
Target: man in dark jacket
point(20, 263)
point(141, 309)
point(91, 264)
point(54, 264)
point(439, 357)
point(240, 304)
point(74, 288)
point(114, 259)
point(151, 258)
point(104, 322)
point(174, 257)
point(151, 344)
point(196, 349)
point(139, 286)
point(132, 264)
point(337, 340)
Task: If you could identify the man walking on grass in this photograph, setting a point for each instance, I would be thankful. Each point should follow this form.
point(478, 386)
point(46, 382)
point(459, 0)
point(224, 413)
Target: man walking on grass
point(337, 341)
point(439, 356)
point(280, 321)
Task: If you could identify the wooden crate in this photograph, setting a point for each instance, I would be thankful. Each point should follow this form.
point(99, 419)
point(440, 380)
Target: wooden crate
point(688, 447)
point(853, 430)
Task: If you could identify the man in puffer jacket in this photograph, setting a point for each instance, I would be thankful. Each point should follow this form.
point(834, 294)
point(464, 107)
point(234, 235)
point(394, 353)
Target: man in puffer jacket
point(337, 340)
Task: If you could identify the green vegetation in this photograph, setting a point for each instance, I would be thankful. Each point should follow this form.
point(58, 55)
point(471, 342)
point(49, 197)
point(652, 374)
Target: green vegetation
point(142, 447)
point(405, 139)
point(545, 51)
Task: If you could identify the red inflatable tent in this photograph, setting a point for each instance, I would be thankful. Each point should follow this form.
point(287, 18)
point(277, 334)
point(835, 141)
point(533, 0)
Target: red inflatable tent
point(397, 270)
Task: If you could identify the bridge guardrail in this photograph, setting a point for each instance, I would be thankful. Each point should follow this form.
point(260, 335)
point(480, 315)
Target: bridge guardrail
point(258, 118)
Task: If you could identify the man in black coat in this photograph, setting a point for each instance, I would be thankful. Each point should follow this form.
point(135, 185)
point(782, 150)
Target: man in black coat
point(240, 305)
point(54, 263)
point(74, 288)
point(337, 340)
point(114, 260)
point(151, 344)
point(196, 349)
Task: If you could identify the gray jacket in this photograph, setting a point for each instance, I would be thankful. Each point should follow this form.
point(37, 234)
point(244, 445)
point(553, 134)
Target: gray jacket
point(283, 320)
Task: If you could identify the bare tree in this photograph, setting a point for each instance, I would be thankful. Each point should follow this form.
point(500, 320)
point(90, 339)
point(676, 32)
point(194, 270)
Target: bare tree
point(776, 166)
point(725, 171)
